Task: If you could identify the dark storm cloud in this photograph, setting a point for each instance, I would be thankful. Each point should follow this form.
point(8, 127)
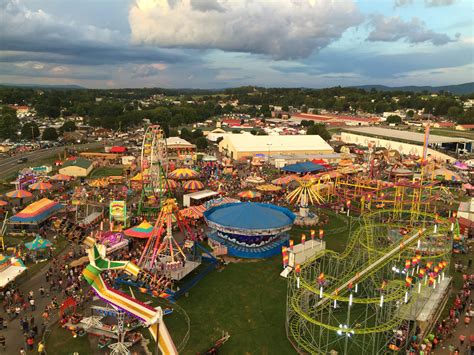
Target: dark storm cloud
point(380, 66)
point(38, 36)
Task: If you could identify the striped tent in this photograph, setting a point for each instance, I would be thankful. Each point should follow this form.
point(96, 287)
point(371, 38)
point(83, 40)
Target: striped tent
point(37, 211)
point(193, 185)
point(41, 186)
point(143, 230)
point(196, 212)
point(183, 174)
point(18, 194)
point(285, 180)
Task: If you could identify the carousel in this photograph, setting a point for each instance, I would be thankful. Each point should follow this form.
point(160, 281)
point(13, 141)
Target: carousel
point(248, 229)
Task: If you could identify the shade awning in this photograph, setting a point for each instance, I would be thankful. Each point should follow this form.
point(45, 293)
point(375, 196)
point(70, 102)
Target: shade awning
point(305, 167)
point(37, 211)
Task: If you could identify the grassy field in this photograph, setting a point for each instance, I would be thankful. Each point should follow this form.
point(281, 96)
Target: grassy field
point(452, 133)
point(101, 172)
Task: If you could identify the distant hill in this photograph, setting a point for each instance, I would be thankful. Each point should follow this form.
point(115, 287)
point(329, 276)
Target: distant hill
point(41, 86)
point(461, 89)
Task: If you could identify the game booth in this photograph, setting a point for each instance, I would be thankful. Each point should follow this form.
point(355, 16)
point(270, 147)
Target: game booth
point(10, 269)
point(39, 249)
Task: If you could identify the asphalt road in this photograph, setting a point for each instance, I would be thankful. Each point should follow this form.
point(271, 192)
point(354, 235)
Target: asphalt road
point(9, 165)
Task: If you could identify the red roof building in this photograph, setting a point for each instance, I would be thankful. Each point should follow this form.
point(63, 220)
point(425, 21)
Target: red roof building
point(118, 149)
point(332, 119)
point(231, 122)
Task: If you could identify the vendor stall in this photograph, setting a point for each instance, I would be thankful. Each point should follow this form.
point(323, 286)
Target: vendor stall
point(39, 249)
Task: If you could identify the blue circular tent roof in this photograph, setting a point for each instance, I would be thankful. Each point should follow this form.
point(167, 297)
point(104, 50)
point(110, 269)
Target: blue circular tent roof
point(304, 167)
point(250, 215)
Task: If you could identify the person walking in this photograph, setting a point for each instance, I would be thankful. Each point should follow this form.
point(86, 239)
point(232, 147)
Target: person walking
point(3, 342)
point(41, 348)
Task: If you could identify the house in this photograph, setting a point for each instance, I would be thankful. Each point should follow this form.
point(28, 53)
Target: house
point(78, 167)
point(465, 127)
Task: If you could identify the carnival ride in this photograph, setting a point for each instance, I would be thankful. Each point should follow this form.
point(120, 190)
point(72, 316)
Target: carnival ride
point(154, 171)
point(311, 191)
point(354, 301)
point(151, 317)
point(162, 253)
point(248, 229)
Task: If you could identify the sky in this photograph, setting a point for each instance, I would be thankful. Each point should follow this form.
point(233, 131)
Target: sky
point(229, 43)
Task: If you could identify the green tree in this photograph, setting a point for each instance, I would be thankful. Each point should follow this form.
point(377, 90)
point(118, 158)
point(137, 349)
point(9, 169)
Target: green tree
point(197, 133)
point(454, 112)
point(394, 119)
point(50, 134)
point(30, 131)
point(174, 133)
point(265, 111)
point(410, 113)
point(186, 134)
point(320, 130)
point(68, 126)
point(307, 123)
point(228, 108)
point(201, 143)
point(8, 123)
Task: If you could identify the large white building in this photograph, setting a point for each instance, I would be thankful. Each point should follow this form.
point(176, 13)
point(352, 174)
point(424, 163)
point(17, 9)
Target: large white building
point(236, 146)
point(406, 142)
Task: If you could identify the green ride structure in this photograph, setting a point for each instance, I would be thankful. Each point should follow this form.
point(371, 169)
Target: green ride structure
point(392, 279)
point(154, 171)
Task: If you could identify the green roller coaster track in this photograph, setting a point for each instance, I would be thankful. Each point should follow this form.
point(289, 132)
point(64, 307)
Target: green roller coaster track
point(315, 326)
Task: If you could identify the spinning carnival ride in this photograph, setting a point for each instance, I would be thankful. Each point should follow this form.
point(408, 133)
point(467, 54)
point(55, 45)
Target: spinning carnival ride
point(154, 169)
point(162, 253)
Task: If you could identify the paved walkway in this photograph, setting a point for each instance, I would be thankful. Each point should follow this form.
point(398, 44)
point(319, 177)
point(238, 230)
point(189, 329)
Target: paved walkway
point(14, 332)
point(460, 329)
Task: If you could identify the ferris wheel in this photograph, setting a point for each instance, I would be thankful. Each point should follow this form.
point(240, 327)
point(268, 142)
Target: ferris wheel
point(154, 168)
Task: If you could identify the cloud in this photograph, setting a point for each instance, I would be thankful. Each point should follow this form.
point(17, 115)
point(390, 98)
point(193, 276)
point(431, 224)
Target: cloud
point(38, 36)
point(391, 29)
point(428, 3)
point(144, 70)
point(400, 3)
point(280, 29)
point(435, 3)
point(207, 5)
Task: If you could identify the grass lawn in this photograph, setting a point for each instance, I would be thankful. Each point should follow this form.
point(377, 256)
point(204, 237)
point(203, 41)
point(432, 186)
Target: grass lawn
point(61, 342)
point(101, 172)
point(246, 299)
point(452, 133)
